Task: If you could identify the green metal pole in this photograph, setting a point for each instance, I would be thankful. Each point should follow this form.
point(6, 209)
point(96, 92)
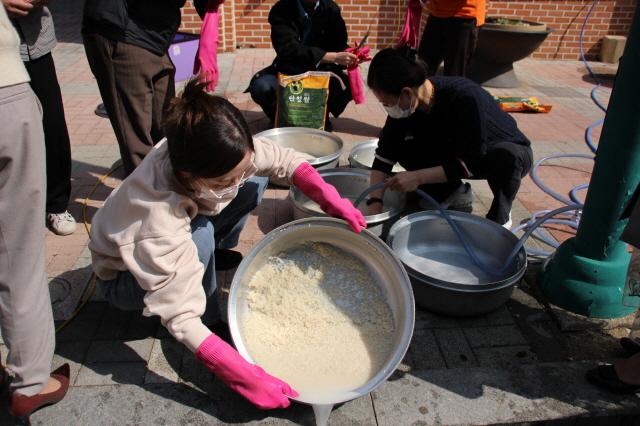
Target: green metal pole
point(586, 274)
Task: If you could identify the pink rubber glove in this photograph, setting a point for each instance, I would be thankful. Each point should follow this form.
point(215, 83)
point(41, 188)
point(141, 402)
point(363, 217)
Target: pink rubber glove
point(411, 28)
point(249, 380)
point(313, 186)
point(206, 62)
point(355, 77)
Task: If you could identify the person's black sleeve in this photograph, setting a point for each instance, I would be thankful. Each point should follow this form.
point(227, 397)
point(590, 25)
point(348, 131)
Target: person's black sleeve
point(387, 152)
point(338, 29)
point(469, 128)
point(286, 41)
point(201, 7)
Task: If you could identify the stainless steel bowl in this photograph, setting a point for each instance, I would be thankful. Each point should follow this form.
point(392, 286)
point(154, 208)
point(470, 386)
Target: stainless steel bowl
point(323, 148)
point(443, 276)
point(391, 277)
point(350, 183)
point(363, 154)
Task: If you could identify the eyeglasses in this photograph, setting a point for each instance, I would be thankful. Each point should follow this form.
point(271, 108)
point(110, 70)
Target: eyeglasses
point(246, 175)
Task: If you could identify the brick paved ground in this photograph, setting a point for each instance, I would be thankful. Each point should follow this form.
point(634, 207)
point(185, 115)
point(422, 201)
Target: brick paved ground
point(518, 364)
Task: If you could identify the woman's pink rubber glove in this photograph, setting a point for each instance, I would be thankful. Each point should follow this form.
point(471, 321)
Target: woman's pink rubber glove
point(206, 62)
point(355, 77)
point(309, 181)
point(249, 380)
point(411, 28)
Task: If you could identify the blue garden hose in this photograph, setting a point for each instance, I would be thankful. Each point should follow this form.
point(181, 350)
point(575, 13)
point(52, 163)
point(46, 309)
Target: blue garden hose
point(492, 270)
point(571, 221)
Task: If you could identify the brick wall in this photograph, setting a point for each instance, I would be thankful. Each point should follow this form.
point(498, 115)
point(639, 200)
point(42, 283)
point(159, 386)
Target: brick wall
point(244, 22)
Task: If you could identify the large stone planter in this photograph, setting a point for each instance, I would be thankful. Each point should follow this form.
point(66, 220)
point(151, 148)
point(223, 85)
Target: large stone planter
point(501, 42)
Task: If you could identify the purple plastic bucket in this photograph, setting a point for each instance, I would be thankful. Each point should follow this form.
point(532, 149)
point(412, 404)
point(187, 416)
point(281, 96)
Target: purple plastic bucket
point(182, 52)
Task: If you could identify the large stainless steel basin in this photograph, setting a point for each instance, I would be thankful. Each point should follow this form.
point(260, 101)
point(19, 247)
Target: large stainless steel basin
point(443, 276)
point(363, 154)
point(350, 183)
point(323, 148)
point(391, 277)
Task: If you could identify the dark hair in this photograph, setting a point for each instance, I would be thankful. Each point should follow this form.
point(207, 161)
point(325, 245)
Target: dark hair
point(206, 135)
point(395, 68)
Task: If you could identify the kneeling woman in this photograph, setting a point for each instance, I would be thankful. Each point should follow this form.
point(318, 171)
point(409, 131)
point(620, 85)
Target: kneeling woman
point(442, 130)
point(155, 243)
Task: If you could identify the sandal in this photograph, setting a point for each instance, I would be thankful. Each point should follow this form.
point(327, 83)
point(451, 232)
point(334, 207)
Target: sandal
point(605, 376)
point(631, 346)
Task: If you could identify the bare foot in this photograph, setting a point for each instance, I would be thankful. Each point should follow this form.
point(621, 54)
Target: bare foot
point(628, 370)
point(51, 386)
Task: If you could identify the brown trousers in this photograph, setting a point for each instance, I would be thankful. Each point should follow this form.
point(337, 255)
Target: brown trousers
point(136, 87)
point(26, 320)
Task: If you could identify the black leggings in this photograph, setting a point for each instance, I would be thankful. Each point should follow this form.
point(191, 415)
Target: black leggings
point(451, 40)
point(503, 167)
point(44, 83)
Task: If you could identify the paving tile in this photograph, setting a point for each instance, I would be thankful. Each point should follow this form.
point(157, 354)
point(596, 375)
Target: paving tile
point(165, 361)
point(111, 373)
point(505, 335)
point(119, 351)
point(522, 395)
point(505, 357)
point(455, 349)
point(500, 316)
point(77, 330)
point(193, 372)
point(429, 320)
point(73, 353)
point(114, 324)
point(425, 352)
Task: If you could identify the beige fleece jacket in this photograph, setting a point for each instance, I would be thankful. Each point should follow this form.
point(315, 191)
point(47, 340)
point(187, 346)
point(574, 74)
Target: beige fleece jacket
point(13, 70)
point(144, 227)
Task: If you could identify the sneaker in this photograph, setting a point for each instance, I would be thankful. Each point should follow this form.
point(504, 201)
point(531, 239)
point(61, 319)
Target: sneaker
point(509, 223)
point(101, 111)
point(227, 259)
point(460, 200)
point(61, 223)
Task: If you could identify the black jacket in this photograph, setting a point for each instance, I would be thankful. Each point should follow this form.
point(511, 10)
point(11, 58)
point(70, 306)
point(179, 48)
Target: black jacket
point(294, 54)
point(149, 24)
point(463, 124)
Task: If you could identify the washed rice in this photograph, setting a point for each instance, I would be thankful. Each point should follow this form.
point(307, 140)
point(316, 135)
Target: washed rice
point(317, 319)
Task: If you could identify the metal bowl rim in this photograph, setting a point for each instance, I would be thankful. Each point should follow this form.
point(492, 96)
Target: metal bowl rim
point(406, 334)
point(359, 147)
point(477, 288)
point(464, 288)
point(371, 219)
point(316, 161)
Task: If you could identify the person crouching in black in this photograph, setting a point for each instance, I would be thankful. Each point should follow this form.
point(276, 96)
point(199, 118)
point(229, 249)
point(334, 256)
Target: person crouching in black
point(443, 130)
point(307, 35)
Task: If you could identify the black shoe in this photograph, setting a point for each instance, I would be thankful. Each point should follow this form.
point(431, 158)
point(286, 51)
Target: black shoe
point(631, 346)
point(605, 376)
point(227, 259)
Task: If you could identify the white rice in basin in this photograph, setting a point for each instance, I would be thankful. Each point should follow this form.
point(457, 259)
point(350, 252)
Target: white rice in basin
point(317, 320)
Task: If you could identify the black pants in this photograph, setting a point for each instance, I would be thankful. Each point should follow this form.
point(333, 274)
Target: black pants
point(451, 40)
point(264, 84)
point(44, 83)
point(503, 167)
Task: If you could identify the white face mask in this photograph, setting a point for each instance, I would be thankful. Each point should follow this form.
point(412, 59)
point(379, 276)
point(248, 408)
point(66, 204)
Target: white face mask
point(228, 193)
point(220, 196)
point(397, 112)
